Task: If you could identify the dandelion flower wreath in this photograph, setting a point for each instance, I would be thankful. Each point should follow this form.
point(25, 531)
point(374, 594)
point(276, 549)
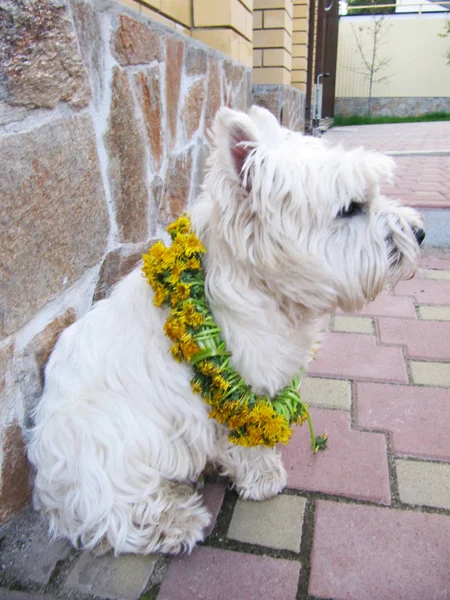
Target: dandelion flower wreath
point(178, 280)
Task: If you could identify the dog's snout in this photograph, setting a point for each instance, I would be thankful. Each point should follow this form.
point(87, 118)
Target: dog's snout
point(419, 235)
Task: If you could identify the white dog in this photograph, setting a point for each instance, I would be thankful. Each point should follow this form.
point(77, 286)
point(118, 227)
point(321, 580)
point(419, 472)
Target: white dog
point(293, 230)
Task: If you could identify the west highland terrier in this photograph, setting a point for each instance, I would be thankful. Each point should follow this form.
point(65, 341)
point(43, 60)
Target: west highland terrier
point(293, 229)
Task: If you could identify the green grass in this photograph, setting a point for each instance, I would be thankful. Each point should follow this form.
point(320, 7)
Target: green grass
point(372, 120)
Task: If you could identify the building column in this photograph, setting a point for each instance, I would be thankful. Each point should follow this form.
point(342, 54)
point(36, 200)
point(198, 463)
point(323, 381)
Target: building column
point(272, 41)
point(300, 31)
point(226, 25)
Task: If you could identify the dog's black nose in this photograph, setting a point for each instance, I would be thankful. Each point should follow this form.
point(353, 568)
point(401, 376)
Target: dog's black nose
point(419, 235)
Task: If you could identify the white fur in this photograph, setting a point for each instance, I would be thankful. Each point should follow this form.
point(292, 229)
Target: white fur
point(120, 439)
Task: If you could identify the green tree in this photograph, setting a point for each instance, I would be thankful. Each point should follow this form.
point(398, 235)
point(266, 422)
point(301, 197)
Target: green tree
point(444, 35)
point(373, 66)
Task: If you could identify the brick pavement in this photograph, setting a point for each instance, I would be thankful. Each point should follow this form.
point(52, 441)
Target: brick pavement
point(422, 155)
point(368, 518)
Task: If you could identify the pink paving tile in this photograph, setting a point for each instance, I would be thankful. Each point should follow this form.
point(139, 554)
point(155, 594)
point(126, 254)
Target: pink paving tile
point(426, 291)
point(428, 195)
point(213, 574)
point(429, 340)
point(354, 463)
point(416, 418)
point(390, 306)
point(213, 494)
point(435, 259)
point(424, 202)
point(371, 553)
point(357, 356)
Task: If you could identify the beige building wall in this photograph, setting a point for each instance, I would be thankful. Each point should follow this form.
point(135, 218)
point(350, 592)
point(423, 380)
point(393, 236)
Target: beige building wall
point(269, 35)
point(417, 65)
point(225, 25)
point(272, 41)
point(300, 44)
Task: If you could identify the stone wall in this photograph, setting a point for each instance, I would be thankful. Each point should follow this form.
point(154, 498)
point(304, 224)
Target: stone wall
point(285, 102)
point(103, 115)
point(391, 107)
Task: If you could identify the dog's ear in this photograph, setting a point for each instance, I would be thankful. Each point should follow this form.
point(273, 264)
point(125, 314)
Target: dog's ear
point(237, 136)
point(267, 124)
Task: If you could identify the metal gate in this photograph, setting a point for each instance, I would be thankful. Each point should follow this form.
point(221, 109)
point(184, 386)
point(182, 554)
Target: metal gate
point(323, 39)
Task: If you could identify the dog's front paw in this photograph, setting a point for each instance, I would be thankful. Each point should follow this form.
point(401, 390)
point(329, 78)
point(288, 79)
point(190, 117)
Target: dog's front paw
point(265, 485)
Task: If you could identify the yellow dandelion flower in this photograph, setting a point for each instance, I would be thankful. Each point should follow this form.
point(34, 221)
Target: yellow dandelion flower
point(186, 338)
point(236, 421)
point(160, 295)
point(262, 412)
point(220, 383)
point(175, 274)
point(193, 245)
point(189, 350)
point(151, 276)
point(181, 225)
point(177, 353)
point(239, 440)
point(273, 428)
point(196, 387)
point(255, 435)
point(301, 419)
point(190, 315)
point(179, 248)
point(181, 292)
point(174, 329)
point(193, 264)
point(169, 258)
point(217, 395)
point(156, 252)
point(217, 415)
point(208, 368)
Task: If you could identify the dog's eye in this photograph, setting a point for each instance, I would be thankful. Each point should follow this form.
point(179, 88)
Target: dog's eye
point(354, 208)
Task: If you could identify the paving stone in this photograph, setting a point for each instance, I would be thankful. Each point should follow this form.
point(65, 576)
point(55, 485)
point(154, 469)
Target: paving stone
point(32, 34)
point(176, 186)
point(371, 553)
point(174, 58)
point(148, 87)
point(430, 373)
point(213, 99)
point(434, 274)
point(354, 463)
point(10, 595)
point(15, 484)
point(213, 574)
point(276, 523)
point(28, 554)
point(353, 324)
point(436, 258)
point(327, 393)
point(6, 355)
point(417, 418)
point(422, 339)
point(426, 291)
point(354, 356)
point(193, 107)
point(127, 162)
point(424, 483)
point(195, 60)
point(434, 313)
point(117, 578)
point(213, 494)
point(51, 190)
point(389, 306)
point(116, 265)
point(135, 43)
